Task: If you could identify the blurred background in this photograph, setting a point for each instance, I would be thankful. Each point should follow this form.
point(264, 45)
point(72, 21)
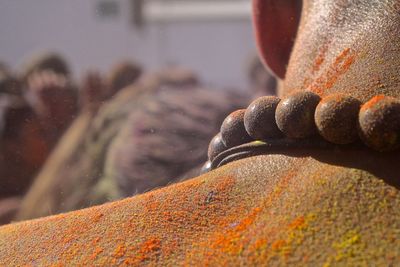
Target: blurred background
point(213, 38)
point(105, 99)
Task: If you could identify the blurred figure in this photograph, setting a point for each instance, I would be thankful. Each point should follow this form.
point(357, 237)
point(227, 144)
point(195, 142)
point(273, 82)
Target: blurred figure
point(46, 62)
point(175, 76)
point(55, 102)
point(146, 136)
point(34, 113)
point(22, 150)
point(121, 76)
point(262, 81)
point(51, 94)
point(9, 84)
point(168, 135)
point(5, 69)
point(93, 92)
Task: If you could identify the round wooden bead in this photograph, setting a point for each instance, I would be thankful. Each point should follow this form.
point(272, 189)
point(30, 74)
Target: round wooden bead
point(259, 118)
point(233, 132)
point(336, 118)
point(215, 147)
point(379, 121)
point(295, 114)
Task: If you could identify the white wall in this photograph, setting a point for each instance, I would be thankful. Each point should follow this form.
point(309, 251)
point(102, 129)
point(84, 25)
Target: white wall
point(217, 49)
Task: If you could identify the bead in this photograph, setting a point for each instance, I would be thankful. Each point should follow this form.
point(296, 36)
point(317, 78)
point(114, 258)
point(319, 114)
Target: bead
point(215, 147)
point(295, 114)
point(233, 132)
point(206, 167)
point(259, 118)
point(379, 121)
point(336, 118)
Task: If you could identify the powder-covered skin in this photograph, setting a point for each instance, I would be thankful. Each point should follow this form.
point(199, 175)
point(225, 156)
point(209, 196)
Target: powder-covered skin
point(350, 47)
point(309, 208)
point(266, 209)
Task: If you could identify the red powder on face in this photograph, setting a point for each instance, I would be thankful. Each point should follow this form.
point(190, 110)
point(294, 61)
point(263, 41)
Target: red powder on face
point(319, 59)
point(341, 56)
point(339, 67)
point(318, 62)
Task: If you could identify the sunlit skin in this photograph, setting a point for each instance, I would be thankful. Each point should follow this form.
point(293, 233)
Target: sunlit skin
point(307, 207)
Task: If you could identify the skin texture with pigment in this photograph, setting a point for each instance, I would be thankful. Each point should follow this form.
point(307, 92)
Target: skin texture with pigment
point(327, 208)
point(272, 209)
point(350, 47)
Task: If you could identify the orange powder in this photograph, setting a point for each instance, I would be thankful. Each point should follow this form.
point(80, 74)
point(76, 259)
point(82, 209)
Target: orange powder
point(372, 102)
point(339, 67)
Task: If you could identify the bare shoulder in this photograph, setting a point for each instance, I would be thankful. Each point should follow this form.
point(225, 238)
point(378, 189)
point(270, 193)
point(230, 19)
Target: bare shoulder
point(265, 209)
